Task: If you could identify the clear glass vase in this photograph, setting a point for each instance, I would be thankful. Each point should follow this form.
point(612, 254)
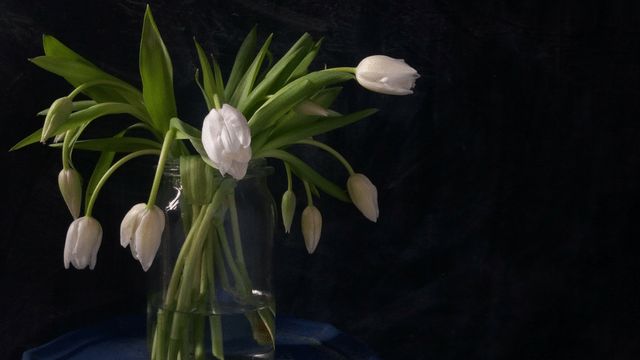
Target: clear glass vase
point(210, 294)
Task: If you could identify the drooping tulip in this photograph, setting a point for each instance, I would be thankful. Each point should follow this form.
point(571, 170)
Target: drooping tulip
point(83, 241)
point(226, 138)
point(288, 207)
point(311, 227)
point(364, 196)
point(58, 113)
point(386, 75)
point(141, 229)
point(70, 183)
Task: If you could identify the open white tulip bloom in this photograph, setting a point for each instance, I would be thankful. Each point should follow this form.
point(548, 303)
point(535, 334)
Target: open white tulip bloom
point(386, 75)
point(83, 241)
point(364, 196)
point(227, 140)
point(311, 227)
point(142, 229)
point(70, 183)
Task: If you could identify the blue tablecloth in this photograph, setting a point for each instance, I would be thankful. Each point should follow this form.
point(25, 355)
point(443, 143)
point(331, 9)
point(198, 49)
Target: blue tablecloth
point(124, 339)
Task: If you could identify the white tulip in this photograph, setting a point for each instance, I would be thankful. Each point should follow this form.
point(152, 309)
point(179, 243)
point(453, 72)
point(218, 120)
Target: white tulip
point(58, 113)
point(227, 140)
point(83, 241)
point(386, 75)
point(70, 183)
point(364, 196)
point(142, 229)
point(311, 227)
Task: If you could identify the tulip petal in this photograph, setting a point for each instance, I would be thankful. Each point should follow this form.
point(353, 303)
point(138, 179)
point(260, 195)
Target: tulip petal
point(364, 196)
point(311, 227)
point(226, 138)
point(70, 242)
point(148, 236)
point(130, 223)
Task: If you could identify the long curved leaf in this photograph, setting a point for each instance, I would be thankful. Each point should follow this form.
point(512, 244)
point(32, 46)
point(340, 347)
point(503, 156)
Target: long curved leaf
point(80, 117)
point(75, 106)
point(314, 127)
point(77, 70)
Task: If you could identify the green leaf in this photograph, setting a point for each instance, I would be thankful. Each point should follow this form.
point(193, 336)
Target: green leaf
point(115, 144)
point(102, 166)
point(292, 119)
point(78, 72)
point(207, 99)
point(157, 75)
point(219, 80)
point(279, 104)
point(31, 139)
point(188, 132)
point(305, 172)
point(277, 75)
point(246, 83)
point(303, 67)
point(241, 63)
point(81, 117)
point(75, 106)
point(312, 128)
point(53, 47)
point(291, 95)
point(208, 78)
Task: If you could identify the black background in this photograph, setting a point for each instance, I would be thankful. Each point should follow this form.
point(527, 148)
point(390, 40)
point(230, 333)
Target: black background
point(508, 183)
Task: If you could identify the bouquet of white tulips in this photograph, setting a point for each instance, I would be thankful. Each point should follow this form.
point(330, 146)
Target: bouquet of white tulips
point(258, 111)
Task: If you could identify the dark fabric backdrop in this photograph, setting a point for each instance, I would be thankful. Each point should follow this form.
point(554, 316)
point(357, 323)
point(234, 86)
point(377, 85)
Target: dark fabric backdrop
point(508, 183)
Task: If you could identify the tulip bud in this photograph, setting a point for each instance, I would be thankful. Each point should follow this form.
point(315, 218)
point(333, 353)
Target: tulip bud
point(308, 107)
point(364, 196)
point(59, 138)
point(142, 229)
point(311, 227)
point(386, 75)
point(83, 241)
point(288, 207)
point(70, 183)
point(58, 113)
point(226, 139)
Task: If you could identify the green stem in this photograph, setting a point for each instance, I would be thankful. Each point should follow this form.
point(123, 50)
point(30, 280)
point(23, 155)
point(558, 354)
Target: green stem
point(287, 168)
point(331, 151)
point(351, 70)
point(237, 276)
point(166, 147)
point(235, 230)
point(307, 189)
point(215, 323)
point(66, 150)
point(111, 170)
point(176, 275)
point(216, 101)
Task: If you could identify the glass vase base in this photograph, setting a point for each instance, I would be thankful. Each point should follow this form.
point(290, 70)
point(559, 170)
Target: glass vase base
point(230, 336)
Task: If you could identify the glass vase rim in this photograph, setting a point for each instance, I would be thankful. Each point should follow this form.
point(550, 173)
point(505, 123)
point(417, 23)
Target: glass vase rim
point(255, 169)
